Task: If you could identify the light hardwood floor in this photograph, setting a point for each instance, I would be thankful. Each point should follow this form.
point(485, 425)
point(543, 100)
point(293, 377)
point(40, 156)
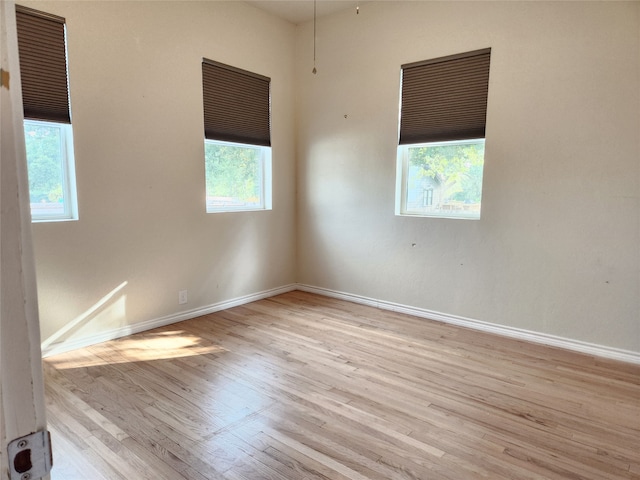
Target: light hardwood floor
point(301, 386)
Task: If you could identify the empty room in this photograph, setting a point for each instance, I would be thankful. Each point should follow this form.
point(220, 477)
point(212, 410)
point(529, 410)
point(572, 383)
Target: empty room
point(321, 239)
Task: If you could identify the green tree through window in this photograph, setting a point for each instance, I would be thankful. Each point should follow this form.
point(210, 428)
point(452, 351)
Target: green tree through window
point(457, 168)
point(233, 175)
point(50, 168)
point(450, 173)
point(44, 151)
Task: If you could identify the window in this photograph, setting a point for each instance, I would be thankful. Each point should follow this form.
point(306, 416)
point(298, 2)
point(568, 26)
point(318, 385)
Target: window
point(47, 124)
point(237, 141)
point(237, 176)
point(442, 179)
point(51, 176)
point(442, 129)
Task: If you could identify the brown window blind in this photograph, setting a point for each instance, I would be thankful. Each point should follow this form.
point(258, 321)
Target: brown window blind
point(236, 105)
point(43, 65)
point(445, 98)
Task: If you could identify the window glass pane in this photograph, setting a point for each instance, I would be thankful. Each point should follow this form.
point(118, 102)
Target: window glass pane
point(46, 163)
point(444, 179)
point(234, 176)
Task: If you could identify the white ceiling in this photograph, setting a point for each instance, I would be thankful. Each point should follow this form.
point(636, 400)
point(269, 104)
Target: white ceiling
point(299, 11)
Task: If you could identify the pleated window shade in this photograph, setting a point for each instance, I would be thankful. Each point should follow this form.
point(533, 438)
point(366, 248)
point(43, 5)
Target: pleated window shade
point(445, 99)
point(236, 105)
point(43, 65)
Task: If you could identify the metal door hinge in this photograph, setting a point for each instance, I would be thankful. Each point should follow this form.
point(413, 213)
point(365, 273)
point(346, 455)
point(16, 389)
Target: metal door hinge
point(30, 456)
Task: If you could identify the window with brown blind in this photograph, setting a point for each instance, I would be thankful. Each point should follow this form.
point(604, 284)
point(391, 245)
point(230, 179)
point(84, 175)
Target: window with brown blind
point(442, 135)
point(237, 130)
point(43, 65)
point(236, 104)
point(47, 123)
point(445, 99)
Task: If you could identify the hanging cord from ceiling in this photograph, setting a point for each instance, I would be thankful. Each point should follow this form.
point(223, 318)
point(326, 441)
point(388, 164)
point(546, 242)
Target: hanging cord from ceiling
point(314, 71)
point(315, 6)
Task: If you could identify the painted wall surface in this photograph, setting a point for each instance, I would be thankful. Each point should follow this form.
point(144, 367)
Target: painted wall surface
point(143, 234)
point(557, 250)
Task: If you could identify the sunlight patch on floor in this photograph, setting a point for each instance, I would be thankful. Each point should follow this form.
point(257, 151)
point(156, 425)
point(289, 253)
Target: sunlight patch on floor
point(140, 348)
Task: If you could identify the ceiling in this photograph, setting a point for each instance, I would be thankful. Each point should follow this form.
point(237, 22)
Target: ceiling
point(299, 11)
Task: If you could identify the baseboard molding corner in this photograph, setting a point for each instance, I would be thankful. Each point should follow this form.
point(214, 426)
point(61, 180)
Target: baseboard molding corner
point(74, 344)
point(516, 333)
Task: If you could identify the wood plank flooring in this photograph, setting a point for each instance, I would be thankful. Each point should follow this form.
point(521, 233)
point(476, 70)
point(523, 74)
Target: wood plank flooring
point(306, 387)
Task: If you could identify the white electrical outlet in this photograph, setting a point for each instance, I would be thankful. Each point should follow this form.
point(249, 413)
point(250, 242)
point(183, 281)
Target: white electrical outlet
point(182, 297)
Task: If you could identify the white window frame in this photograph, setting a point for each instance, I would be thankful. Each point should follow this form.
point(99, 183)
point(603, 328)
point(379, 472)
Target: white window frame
point(265, 180)
point(402, 180)
point(69, 190)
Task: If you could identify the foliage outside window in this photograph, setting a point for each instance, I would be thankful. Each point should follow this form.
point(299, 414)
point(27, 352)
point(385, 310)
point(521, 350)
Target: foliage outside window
point(441, 179)
point(237, 176)
point(47, 125)
point(50, 167)
point(237, 131)
point(443, 109)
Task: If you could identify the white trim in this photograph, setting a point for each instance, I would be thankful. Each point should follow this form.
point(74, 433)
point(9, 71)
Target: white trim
point(517, 333)
point(402, 182)
point(22, 399)
point(68, 167)
point(66, 346)
point(264, 181)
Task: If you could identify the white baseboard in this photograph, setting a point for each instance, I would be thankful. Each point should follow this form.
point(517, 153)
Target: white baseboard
point(517, 333)
point(520, 334)
point(73, 344)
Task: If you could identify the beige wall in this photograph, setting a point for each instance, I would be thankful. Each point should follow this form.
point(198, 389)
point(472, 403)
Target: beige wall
point(143, 234)
point(557, 248)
